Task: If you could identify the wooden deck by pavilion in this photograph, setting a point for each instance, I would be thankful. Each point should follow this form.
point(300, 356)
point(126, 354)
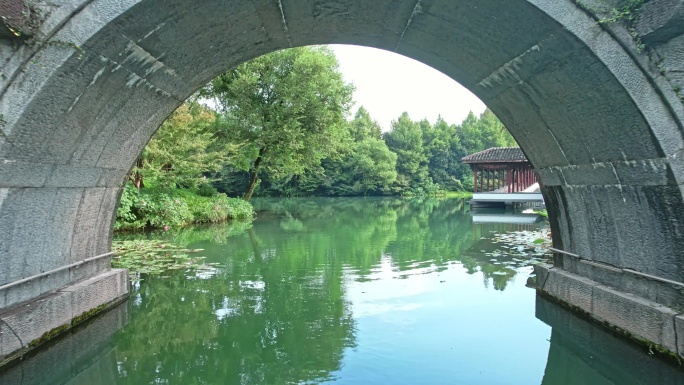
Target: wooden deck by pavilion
point(502, 175)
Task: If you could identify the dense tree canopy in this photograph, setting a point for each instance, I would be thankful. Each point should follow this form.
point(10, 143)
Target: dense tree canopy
point(444, 151)
point(364, 127)
point(481, 133)
point(287, 107)
point(183, 151)
point(281, 129)
point(406, 140)
point(365, 164)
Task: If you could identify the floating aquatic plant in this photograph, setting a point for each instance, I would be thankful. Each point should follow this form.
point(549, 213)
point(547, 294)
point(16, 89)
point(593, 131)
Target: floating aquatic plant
point(523, 248)
point(154, 257)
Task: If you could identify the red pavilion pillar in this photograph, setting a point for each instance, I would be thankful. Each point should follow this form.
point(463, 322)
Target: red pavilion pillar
point(475, 178)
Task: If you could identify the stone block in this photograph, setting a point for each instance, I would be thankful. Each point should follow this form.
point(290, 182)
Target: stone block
point(596, 351)
point(568, 213)
point(542, 272)
point(36, 287)
point(643, 319)
point(61, 361)
point(646, 320)
point(83, 240)
point(676, 161)
point(551, 176)
point(8, 198)
point(105, 221)
point(663, 293)
point(679, 328)
point(91, 293)
point(658, 209)
point(570, 288)
point(32, 320)
point(598, 224)
point(57, 239)
point(31, 219)
point(74, 176)
point(15, 173)
point(9, 341)
point(112, 177)
point(89, 269)
point(661, 20)
point(29, 322)
point(590, 174)
point(649, 172)
point(126, 142)
point(20, 293)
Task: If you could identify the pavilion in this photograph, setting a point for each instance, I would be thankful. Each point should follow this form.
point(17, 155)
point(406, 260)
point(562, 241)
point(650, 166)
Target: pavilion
point(501, 169)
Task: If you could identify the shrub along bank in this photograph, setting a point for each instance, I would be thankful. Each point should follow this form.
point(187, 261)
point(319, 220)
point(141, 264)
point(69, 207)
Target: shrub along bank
point(166, 208)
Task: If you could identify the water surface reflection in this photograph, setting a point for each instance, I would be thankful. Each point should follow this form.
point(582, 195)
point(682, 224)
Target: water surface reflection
point(344, 291)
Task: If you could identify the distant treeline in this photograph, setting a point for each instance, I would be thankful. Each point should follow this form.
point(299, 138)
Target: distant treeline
point(278, 126)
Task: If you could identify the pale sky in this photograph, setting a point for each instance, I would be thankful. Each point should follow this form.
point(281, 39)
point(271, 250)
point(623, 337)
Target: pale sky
point(388, 84)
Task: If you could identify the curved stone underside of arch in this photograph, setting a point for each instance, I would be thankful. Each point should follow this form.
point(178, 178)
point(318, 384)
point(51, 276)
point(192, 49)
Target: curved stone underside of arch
point(600, 126)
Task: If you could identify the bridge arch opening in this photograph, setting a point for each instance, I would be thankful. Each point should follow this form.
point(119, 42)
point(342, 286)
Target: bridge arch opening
point(596, 123)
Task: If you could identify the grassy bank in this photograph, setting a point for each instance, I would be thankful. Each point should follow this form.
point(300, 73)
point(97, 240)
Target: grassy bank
point(455, 194)
point(442, 194)
point(167, 208)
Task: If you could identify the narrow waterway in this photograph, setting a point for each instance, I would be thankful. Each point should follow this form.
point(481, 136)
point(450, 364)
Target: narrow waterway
point(344, 291)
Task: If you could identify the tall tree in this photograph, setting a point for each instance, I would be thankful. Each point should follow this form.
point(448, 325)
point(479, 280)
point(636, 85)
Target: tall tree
point(288, 107)
point(406, 140)
point(481, 133)
point(182, 150)
point(444, 151)
point(365, 165)
point(363, 126)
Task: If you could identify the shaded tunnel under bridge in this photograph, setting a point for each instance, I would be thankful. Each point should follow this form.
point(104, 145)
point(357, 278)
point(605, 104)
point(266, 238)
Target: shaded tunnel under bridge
point(599, 118)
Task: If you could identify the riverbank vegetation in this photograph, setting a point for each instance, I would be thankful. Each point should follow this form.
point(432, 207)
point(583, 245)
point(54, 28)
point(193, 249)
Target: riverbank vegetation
point(176, 207)
point(280, 125)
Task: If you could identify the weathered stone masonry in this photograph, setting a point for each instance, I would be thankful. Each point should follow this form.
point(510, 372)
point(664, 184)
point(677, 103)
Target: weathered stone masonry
point(598, 118)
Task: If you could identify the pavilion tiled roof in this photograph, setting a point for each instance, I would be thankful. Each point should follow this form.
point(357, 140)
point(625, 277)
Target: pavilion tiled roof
point(497, 155)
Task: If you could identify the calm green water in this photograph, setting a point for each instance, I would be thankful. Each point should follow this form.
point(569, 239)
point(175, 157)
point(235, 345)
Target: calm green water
point(343, 291)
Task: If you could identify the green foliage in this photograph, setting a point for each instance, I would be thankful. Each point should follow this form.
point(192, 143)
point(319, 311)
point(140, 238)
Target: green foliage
point(542, 212)
point(371, 166)
point(287, 107)
point(207, 190)
point(626, 12)
point(364, 127)
point(477, 134)
point(218, 208)
point(163, 208)
point(629, 11)
point(152, 257)
point(184, 150)
point(364, 165)
point(125, 212)
point(415, 158)
point(429, 156)
point(406, 140)
point(444, 151)
point(281, 131)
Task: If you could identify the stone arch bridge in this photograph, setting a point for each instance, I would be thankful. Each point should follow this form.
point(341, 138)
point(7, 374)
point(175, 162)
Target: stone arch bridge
point(597, 112)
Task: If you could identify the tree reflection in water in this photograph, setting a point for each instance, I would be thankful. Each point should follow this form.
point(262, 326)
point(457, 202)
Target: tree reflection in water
point(276, 308)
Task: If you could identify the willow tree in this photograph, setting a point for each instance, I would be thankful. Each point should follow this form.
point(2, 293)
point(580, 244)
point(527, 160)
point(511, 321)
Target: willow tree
point(288, 108)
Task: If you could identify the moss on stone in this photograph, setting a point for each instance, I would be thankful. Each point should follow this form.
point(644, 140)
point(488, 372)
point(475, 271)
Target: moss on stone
point(58, 331)
point(654, 349)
